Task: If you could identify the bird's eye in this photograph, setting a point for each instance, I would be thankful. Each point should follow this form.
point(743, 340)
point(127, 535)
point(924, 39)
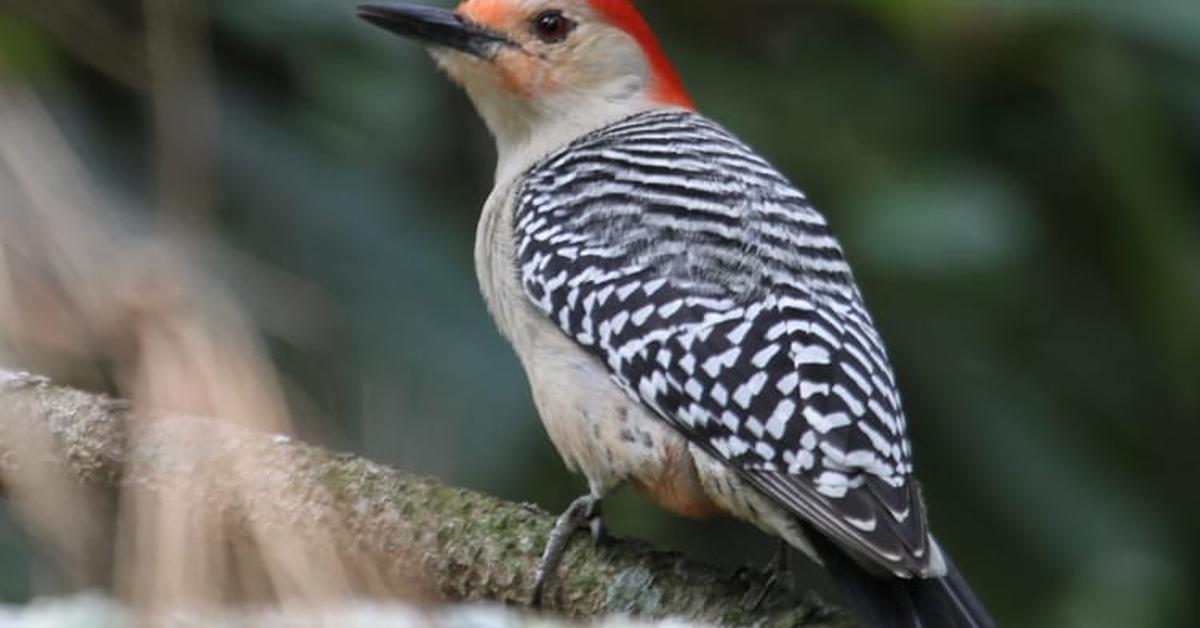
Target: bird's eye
point(552, 26)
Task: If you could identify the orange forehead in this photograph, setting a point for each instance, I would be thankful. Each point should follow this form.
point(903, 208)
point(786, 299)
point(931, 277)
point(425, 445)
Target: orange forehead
point(665, 87)
point(493, 13)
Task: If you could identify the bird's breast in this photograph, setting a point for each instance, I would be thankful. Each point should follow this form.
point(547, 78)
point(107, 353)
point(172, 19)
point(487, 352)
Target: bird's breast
point(597, 428)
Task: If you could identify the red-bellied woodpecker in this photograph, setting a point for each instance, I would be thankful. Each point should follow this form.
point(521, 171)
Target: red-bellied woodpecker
point(688, 323)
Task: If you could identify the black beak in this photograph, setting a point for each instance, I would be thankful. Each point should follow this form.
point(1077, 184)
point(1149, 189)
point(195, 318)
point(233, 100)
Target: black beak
point(431, 25)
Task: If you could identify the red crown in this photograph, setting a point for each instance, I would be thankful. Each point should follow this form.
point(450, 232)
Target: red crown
point(665, 85)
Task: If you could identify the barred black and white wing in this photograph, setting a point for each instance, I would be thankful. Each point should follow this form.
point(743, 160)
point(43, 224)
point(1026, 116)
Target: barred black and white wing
point(717, 296)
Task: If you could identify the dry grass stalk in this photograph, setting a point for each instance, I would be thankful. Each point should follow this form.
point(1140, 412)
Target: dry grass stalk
point(78, 291)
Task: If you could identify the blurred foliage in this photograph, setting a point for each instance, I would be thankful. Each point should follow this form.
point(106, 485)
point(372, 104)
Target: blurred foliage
point(1017, 183)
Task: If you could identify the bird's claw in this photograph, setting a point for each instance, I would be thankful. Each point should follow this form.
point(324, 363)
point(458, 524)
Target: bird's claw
point(777, 573)
point(582, 513)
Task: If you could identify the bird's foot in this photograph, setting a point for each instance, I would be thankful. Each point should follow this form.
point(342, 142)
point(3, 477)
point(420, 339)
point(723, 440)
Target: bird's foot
point(777, 574)
point(582, 513)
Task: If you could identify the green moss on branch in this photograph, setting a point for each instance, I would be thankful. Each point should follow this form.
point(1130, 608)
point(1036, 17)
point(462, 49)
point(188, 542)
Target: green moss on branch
point(460, 545)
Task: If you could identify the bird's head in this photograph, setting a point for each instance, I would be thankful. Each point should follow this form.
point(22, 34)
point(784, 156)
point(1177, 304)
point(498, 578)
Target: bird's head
point(530, 65)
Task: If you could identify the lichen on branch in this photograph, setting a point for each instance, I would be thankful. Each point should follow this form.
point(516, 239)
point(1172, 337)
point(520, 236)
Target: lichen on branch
point(385, 532)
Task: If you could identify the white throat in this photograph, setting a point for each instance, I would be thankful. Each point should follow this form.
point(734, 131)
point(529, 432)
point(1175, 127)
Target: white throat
point(525, 137)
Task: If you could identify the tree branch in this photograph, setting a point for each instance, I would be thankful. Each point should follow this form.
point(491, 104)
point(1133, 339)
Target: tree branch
point(459, 544)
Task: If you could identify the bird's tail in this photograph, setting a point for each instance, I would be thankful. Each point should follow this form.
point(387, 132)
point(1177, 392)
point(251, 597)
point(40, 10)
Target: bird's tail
point(946, 602)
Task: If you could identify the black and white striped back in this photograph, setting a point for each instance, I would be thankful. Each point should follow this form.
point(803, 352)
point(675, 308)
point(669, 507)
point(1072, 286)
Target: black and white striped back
point(718, 297)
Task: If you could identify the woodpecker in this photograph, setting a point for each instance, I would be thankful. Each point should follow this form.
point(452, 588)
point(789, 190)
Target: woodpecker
point(688, 323)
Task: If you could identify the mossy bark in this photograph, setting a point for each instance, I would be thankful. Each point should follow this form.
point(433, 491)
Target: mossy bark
point(457, 544)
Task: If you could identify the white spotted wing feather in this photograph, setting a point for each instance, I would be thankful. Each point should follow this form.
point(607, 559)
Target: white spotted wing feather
point(717, 296)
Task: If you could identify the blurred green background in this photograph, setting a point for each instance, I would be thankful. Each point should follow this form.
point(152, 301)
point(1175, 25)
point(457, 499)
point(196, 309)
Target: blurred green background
point(1017, 183)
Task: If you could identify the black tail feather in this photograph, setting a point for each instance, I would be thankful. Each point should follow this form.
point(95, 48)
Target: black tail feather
point(950, 599)
point(882, 602)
